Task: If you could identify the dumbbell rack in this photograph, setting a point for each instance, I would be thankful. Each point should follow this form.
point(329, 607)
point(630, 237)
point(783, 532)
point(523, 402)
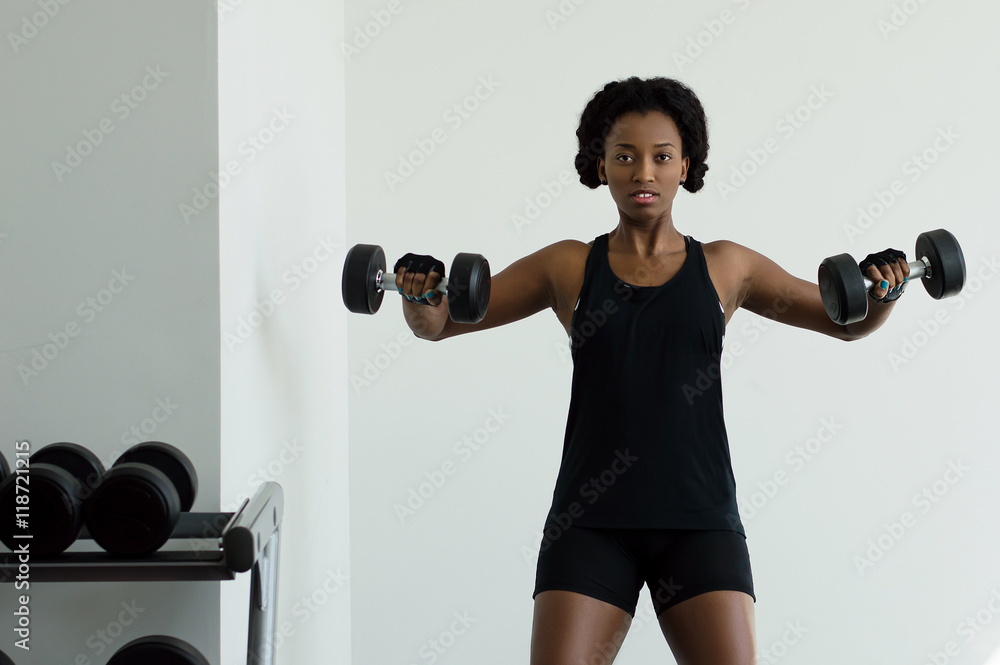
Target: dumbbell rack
point(248, 540)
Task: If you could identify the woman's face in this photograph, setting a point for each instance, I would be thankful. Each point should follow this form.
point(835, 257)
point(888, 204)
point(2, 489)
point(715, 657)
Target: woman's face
point(642, 164)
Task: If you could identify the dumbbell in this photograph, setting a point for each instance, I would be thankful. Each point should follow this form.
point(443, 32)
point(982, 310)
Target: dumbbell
point(4, 516)
point(158, 650)
point(136, 505)
point(60, 478)
point(940, 266)
point(365, 281)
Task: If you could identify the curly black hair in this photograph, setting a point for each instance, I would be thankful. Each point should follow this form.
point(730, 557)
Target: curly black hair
point(666, 95)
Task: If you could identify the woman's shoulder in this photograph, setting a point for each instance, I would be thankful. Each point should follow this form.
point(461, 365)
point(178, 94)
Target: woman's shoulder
point(568, 250)
point(719, 245)
point(573, 245)
point(728, 261)
point(723, 249)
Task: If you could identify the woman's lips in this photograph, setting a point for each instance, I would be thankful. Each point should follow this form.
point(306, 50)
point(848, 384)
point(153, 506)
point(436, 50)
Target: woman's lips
point(644, 198)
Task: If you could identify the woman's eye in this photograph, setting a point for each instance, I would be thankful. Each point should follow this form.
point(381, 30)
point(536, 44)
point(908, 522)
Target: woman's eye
point(661, 157)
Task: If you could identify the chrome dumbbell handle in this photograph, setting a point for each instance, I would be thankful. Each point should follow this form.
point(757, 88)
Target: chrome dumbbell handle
point(918, 269)
point(389, 284)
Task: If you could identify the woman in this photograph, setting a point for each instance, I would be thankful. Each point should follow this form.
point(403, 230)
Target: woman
point(645, 492)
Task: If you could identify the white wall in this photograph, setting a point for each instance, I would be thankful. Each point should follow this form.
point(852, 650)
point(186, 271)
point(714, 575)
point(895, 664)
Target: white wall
point(284, 335)
point(85, 356)
point(468, 549)
point(284, 389)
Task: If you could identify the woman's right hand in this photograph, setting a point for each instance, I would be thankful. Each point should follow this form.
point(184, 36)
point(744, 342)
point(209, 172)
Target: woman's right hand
point(426, 319)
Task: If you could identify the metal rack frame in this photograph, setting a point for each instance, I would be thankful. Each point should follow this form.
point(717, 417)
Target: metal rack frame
point(247, 540)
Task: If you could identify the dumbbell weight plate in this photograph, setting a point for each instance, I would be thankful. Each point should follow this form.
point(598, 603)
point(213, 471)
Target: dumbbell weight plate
point(4, 472)
point(947, 263)
point(842, 289)
point(60, 477)
point(136, 507)
point(55, 518)
point(133, 511)
point(81, 463)
point(172, 462)
point(158, 650)
point(357, 285)
point(469, 288)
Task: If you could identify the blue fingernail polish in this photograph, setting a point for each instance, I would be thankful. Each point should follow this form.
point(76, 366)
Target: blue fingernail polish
point(429, 294)
point(399, 288)
point(884, 284)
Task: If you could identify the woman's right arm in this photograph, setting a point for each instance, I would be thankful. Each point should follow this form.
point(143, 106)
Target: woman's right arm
point(525, 287)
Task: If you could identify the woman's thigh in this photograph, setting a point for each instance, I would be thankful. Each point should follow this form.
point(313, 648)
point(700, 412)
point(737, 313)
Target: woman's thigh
point(701, 585)
point(713, 628)
point(569, 628)
point(586, 587)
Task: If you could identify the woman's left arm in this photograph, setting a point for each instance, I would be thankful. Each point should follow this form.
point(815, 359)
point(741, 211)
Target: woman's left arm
point(768, 290)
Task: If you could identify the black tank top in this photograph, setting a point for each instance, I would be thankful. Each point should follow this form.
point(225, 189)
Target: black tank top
point(646, 444)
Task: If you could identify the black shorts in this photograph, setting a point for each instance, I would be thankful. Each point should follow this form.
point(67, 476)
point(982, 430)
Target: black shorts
point(612, 564)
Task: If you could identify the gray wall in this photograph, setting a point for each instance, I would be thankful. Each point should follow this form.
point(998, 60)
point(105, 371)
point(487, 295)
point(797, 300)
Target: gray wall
point(99, 250)
point(237, 325)
point(907, 402)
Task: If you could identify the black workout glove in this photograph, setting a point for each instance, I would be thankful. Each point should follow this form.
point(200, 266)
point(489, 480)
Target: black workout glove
point(884, 258)
point(419, 263)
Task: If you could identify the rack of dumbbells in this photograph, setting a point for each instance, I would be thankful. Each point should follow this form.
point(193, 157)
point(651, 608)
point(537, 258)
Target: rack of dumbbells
point(132, 511)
